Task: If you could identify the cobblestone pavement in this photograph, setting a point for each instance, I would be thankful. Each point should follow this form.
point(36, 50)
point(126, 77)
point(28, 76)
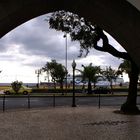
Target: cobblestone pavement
point(67, 123)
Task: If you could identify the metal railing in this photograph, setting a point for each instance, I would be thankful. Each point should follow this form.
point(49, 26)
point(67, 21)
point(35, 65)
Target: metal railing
point(30, 101)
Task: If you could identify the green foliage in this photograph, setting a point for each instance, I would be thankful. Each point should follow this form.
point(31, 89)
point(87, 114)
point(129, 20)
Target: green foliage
point(83, 31)
point(125, 66)
point(77, 27)
point(91, 72)
point(57, 71)
point(110, 74)
point(16, 85)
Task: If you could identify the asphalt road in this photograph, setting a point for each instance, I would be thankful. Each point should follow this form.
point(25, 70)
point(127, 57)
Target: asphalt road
point(36, 102)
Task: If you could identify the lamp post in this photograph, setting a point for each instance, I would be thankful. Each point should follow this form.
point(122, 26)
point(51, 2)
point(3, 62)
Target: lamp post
point(38, 72)
point(73, 97)
point(66, 57)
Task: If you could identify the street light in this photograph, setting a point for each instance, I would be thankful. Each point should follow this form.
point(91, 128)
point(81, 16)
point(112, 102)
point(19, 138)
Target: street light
point(38, 72)
point(73, 97)
point(66, 57)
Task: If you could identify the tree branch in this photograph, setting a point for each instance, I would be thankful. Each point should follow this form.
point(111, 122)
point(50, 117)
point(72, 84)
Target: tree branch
point(106, 47)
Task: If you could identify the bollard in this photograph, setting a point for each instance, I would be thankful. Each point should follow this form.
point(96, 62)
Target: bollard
point(53, 100)
point(28, 101)
point(4, 103)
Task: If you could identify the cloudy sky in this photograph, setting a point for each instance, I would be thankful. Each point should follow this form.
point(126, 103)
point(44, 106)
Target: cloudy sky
point(32, 44)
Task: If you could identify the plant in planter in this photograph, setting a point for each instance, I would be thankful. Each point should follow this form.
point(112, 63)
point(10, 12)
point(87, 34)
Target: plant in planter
point(16, 85)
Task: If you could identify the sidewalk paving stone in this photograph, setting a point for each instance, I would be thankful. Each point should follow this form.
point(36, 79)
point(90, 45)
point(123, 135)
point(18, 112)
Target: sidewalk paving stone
point(67, 123)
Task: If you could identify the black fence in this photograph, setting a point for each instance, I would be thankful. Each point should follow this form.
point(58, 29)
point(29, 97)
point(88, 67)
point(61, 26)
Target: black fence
point(79, 90)
point(28, 101)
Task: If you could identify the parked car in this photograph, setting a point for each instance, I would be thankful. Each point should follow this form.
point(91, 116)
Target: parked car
point(102, 90)
point(23, 90)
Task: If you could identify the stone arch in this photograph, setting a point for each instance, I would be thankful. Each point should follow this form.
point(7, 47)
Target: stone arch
point(119, 18)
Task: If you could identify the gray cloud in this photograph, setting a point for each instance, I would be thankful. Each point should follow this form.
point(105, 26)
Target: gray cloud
point(36, 39)
point(10, 57)
point(4, 44)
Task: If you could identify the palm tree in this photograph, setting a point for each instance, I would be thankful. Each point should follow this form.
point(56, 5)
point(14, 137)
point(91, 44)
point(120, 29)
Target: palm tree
point(110, 74)
point(60, 74)
point(57, 71)
point(91, 73)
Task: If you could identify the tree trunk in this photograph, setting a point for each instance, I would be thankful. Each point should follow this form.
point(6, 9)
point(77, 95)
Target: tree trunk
point(130, 106)
point(94, 84)
point(89, 87)
point(111, 87)
point(61, 87)
point(54, 83)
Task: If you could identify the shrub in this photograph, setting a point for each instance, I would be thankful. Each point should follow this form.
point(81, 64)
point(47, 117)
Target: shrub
point(16, 85)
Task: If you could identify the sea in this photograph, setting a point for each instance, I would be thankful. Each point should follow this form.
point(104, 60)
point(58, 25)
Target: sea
point(25, 84)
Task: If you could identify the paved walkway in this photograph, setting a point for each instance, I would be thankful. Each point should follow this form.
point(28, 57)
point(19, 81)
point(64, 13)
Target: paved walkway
point(67, 123)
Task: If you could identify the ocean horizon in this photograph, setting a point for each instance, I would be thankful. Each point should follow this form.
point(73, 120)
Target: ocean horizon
point(26, 84)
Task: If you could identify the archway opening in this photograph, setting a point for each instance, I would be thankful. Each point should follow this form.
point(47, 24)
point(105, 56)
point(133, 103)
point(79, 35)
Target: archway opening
point(32, 44)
